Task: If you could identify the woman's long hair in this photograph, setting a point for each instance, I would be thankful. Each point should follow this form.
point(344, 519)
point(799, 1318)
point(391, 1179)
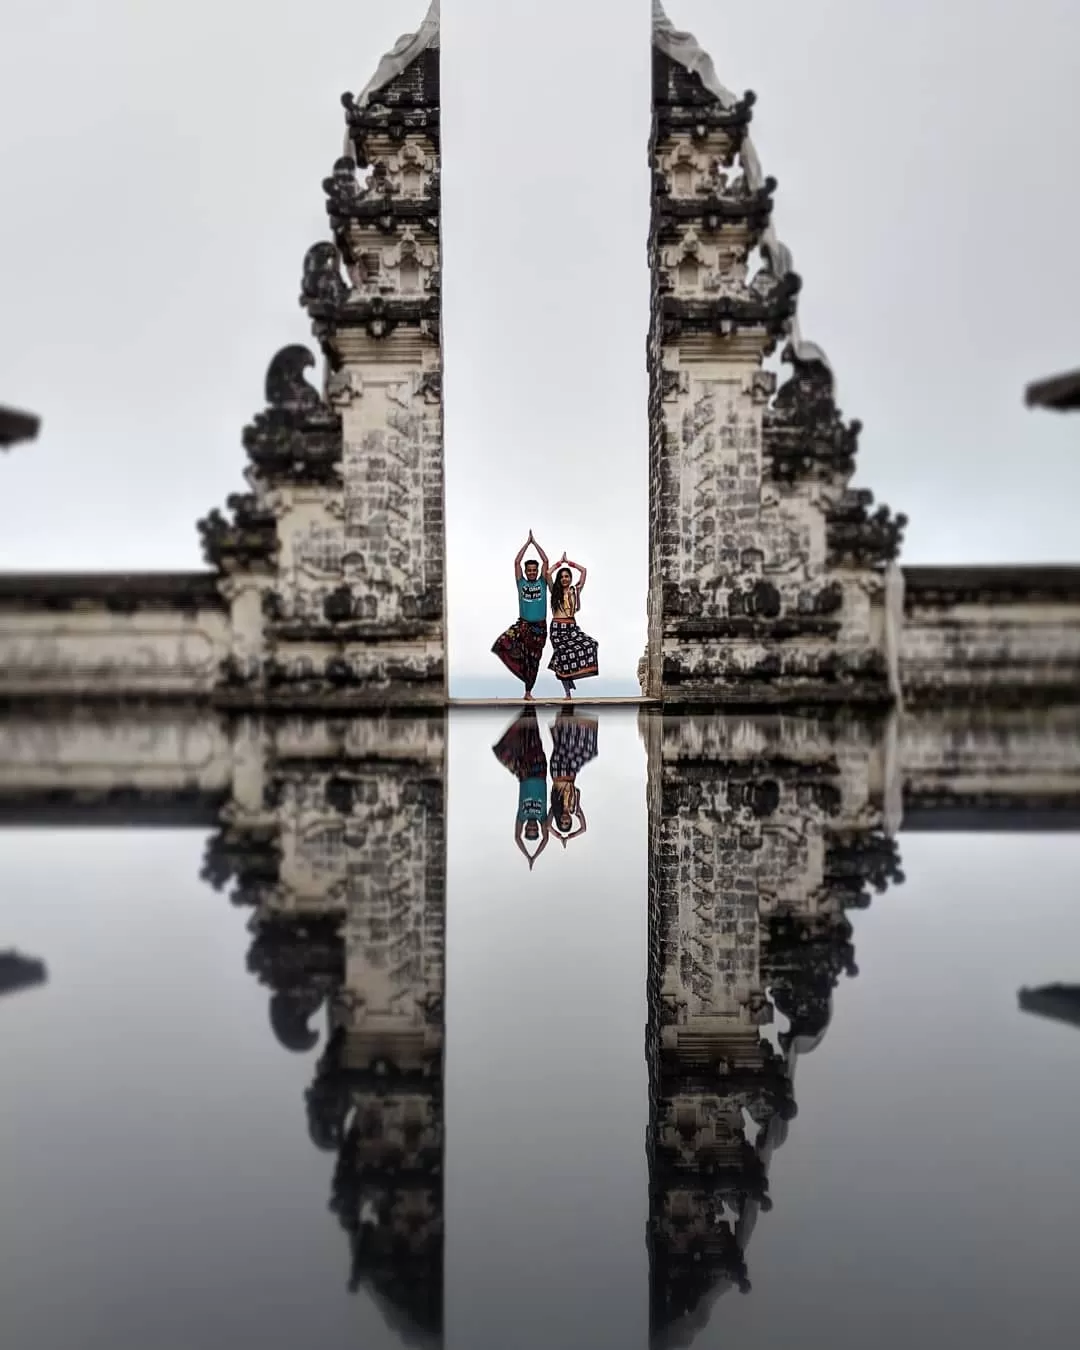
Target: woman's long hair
point(563, 798)
point(559, 587)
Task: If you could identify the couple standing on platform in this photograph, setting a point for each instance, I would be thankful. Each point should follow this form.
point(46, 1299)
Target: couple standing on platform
point(574, 654)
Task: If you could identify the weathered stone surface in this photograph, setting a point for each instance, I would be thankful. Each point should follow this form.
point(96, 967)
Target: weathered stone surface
point(1003, 634)
point(354, 921)
point(111, 635)
point(751, 516)
point(333, 564)
point(764, 831)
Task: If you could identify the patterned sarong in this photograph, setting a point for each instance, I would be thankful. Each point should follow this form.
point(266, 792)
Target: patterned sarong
point(521, 748)
point(573, 744)
point(574, 655)
point(520, 649)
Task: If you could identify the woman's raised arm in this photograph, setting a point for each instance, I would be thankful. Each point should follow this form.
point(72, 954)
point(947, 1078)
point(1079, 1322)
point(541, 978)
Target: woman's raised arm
point(582, 570)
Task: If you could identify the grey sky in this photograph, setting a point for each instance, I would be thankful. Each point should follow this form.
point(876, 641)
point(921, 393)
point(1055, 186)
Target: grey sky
point(161, 167)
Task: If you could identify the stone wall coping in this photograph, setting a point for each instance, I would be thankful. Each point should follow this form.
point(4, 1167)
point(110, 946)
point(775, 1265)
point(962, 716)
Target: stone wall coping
point(993, 581)
point(111, 590)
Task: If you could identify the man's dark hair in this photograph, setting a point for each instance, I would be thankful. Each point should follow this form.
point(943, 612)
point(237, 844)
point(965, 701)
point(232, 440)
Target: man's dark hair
point(531, 562)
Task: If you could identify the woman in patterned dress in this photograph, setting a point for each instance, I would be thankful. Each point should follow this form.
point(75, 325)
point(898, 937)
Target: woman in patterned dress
point(574, 655)
point(573, 745)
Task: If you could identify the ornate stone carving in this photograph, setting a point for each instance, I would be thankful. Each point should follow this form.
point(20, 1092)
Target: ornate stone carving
point(298, 438)
point(767, 303)
point(343, 189)
point(749, 514)
point(862, 535)
point(805, 436)
point(402, 98)
point(726, 201)
point(246, 537)
point(245, 864)
point(323, 290)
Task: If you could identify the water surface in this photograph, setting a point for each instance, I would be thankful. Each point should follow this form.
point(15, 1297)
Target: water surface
point(689, 1079)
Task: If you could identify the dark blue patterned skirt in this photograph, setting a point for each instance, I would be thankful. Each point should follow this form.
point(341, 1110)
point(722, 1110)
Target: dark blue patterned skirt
point(574, 655)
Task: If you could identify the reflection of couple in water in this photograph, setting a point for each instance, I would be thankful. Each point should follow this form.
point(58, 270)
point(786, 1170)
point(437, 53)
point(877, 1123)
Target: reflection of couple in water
point(521, 750)
point(573, 653)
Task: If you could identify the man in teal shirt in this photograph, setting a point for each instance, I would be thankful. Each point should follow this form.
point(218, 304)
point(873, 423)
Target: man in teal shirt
point(521, 750)
point(522, 645)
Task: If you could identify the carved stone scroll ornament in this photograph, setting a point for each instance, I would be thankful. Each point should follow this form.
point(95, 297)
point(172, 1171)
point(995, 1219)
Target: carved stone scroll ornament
point(804, 434)
point(298, 437)
point(301, 960)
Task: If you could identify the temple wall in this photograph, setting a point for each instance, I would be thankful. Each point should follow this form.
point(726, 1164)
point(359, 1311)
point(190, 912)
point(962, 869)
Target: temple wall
point(101, 637)
point(164, 764)
point(1002, 634)
point(971, 767)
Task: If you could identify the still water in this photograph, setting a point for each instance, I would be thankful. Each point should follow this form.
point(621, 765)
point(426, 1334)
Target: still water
point(325, 1055)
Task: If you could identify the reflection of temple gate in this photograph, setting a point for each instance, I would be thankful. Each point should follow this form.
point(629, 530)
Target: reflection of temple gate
point(344, 863)
point(765, 832)
point(771, 578)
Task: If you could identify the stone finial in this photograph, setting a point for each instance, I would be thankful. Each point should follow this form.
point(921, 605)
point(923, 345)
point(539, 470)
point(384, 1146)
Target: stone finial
point(685, 50)
point(404, 52)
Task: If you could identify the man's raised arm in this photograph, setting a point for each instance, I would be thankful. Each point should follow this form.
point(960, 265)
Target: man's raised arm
point(518, 574)
point(545, 566)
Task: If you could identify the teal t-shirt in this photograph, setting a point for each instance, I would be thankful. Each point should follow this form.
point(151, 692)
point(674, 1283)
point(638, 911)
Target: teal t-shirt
point(532, 599)
point(532, 799)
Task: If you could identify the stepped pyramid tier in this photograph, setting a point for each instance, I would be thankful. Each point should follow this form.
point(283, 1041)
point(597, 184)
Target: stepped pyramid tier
point(770, 577)
point(333, 562)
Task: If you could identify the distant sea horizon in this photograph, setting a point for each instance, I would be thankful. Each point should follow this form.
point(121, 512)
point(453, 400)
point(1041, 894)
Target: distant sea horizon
point(496, 686)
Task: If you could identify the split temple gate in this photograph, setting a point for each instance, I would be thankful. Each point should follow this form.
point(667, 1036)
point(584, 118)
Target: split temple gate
point(771, 579)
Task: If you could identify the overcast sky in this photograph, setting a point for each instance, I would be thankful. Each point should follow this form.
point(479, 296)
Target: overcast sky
point(161, 168)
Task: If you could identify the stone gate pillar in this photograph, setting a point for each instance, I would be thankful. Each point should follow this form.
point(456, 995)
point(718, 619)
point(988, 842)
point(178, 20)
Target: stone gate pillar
point(333, 564)
point(769, 577)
